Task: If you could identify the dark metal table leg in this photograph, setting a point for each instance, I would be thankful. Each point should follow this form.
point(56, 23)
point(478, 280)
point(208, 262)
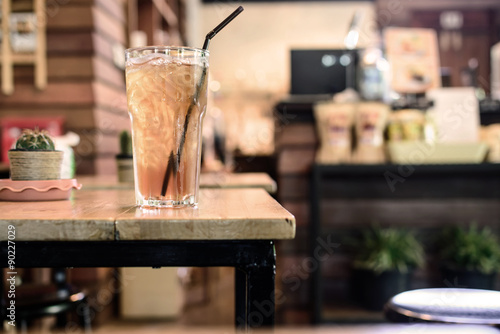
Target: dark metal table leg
point(254, 292)
point(260, 296)
point(240, 298)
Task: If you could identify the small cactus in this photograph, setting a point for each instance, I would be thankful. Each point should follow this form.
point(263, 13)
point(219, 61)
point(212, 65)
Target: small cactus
point(35, 140)
point(125, 143)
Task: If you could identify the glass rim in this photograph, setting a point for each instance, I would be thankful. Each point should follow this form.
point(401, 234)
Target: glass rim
point(165, 47)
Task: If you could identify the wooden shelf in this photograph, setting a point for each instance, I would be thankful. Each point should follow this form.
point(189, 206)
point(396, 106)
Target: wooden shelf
point(390, 181)
point(21, 58)
point(9, 58)
point(345, 198)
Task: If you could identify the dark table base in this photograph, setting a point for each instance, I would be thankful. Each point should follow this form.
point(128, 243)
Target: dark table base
point(254, 262)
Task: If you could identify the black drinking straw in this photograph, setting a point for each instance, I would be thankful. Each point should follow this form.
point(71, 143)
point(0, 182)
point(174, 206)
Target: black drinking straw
point(173, 164)
point(221, 25)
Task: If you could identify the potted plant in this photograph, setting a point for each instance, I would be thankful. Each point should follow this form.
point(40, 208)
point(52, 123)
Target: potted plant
point(470, 257)
point(124, 160)
point(34, 157)
point(383, 263)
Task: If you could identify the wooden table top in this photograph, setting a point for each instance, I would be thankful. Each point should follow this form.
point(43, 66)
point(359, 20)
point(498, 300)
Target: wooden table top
point(222, 214)
point(238, 180)
point(207, 180)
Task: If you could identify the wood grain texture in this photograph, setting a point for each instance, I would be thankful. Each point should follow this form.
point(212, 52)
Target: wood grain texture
point(116, 8)
point(296, 160)
point(70, 43)
point(299, 134)
point(110, 98)
point(293, 187)
point(105, 214)
point(67, 18)
point(105, 71)
point(55, 94)
point(86, 216)
point(238, 180)
point(71, 67)
point(111, 121)
point(108, 25)
point(222, 214)
point(76, 117)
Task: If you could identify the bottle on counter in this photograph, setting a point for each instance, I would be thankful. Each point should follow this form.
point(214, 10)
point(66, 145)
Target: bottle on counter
point(374, 73)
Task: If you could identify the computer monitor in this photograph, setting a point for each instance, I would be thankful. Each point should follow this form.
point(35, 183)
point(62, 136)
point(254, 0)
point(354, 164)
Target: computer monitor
point(322, 71)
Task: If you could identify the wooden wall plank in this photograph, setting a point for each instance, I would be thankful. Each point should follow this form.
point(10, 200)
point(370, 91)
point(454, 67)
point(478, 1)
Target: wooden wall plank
point(296, 160)
point(61, 43)
point(59, 68)
point(115, 8)
point(108, 26)
point(300, 209)
point(56, 93)
point(297, 134)
point(106, 72)
point(69, 17)
point(293, 187)
point(293, 280)
point(94, 141)
point(111, 122)
point(96, 152)
point(78, 43)
point(84, 165)
point(24, 73)
point(73, 67)
point(105, 165)
point(75, 117)
point(81, 2)
point(102, 47)
point(69, 67)
point(85, 87)
point(109, 98)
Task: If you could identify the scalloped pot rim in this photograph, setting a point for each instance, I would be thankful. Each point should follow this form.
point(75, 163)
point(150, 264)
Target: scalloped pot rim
point(38, 190)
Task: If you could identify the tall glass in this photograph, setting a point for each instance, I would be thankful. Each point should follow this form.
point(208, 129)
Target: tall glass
point(167, 98)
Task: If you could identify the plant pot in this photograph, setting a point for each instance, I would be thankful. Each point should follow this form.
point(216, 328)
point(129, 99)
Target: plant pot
point(468, 279)
point(35, 165)
point(125, 168)
point(372, 290)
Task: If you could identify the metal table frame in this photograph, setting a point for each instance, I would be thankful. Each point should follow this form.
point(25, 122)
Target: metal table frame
point(254, 262)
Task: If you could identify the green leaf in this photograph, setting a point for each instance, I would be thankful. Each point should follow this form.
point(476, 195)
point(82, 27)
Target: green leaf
point(384, 249)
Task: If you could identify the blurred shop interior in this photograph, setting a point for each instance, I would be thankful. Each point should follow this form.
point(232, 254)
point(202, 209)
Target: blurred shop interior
point(366, 113)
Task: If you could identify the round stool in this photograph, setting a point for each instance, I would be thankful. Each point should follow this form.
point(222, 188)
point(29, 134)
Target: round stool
point(450, 305)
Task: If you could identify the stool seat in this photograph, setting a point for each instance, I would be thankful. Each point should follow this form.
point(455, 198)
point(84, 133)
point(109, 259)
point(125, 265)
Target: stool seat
point(34, 300)
point(450, 305)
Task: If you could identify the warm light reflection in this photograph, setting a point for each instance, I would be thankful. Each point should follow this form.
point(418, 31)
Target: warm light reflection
point(77, 296)
point(214, 86)
point(454, 298)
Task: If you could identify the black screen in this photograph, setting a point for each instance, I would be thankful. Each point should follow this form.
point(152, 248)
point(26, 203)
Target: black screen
point(322, 71)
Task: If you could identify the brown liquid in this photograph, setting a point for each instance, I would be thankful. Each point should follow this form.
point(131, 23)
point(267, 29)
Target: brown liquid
point(159, 94)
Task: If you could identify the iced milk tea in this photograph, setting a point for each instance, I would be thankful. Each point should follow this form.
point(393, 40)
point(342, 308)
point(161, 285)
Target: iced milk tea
point(167, 96)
